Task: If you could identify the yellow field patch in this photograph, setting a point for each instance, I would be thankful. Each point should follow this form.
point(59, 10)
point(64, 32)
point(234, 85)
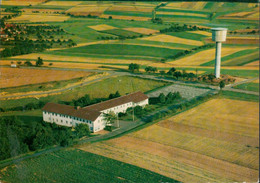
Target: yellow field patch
point(225, 115)
point(238, 14)
point(88, 9)
point(180, 13)
point(20, 3)
point(62, 3)
point(172, 39)
point(205, 33)
point(102, 27)
point(142, 30)
point(121, 17)
point(205, 56)
point(49, 57)
point(254, 15)
point(11, 77)
point(40, 18)
point(199, 5)
point(175, 5)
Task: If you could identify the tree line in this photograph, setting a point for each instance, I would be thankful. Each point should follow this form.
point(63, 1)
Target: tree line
point(19, 136)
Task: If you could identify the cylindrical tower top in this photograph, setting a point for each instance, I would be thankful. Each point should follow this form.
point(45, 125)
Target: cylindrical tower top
point(219, 34)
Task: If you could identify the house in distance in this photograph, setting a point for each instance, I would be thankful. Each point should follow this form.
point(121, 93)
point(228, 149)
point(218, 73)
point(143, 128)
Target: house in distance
point(92, 115)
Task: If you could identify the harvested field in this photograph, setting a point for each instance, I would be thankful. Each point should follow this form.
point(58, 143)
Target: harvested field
point(242, 59)
point(62, 3)
point(122, 17)
point(102, 27)
point(181, 13)
point(142, 30)
point(241, 41)
point(172, 39)
point(191, 147)
point(42, 10)
point(205, 56)
point(239, 14)
point(20, 3)
point(94, 10)
point(11, 77)
point(51, 57)
point(40, 18)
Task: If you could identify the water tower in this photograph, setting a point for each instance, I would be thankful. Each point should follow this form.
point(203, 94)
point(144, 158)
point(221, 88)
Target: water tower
point(218, 35)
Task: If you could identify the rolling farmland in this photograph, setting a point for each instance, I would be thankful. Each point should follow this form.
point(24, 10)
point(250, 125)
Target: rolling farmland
point(220, 148)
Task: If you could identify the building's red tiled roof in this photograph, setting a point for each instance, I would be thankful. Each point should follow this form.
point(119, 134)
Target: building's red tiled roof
point(71, 111)
point(93, 111)
point(133, 97)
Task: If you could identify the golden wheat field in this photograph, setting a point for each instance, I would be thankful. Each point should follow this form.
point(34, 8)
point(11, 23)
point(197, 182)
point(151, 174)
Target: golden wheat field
point(191, 147)
point(205, 33)
point(20, 3)
point(255, 63)
point(142, 30)
point(131, 8)
point(102, 27)
point(205, 56)
point(172, 39)
point(40, 18)
point(50, 57)
point(11, 77)
point(88, 9)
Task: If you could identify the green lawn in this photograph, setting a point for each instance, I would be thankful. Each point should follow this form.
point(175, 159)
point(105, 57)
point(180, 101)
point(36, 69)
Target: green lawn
point(101, 89)
point(188, 35)
point(249, 86)
point(78, 166)
point(225, 60)
point(117, 50)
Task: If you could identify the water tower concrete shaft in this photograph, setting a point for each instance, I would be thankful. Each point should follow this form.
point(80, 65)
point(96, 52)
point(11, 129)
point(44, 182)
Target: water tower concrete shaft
point(218, 35)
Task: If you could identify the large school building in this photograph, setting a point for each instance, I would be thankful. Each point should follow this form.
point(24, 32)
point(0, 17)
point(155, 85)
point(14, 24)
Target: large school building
point(92, 115)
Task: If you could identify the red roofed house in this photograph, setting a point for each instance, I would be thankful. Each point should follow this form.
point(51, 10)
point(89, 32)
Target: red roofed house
point(92, 115)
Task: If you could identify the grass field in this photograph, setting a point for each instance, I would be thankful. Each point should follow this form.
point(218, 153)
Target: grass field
point(191, 147)
point(110, 50)
point(11, 77)
point(188, 35)
point(121, 32)
point(249, 86)
point(123, 84)
point(77, 166)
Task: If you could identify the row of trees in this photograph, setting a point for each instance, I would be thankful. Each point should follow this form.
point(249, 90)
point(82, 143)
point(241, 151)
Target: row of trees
point(19, 136)
point(168, 99)
point(181, 28)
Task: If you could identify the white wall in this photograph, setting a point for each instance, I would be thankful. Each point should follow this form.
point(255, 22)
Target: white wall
point(65, 120)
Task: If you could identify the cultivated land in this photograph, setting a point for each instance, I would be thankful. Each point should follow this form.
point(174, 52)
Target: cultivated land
point(12, 77)
point(221, 148)
point(73, 165)
point(217, 141)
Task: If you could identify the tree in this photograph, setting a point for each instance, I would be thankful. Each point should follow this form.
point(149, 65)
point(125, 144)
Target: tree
point(110, 118)
point(82, 130)
point(39, 62)
point(28, 63)
point(133, 67)
point(222, 84)
point(162, 98)
point(138, 111)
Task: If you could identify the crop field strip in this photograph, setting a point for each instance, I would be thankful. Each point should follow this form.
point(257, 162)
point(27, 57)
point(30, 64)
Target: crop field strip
point(188, 35)
point(206, 56)
point(226, 148)
point(39, 18)
point(124, 84)
point(238, 58)
point(78, 166)
point(120, 32)
point(11, 77)
point(253, 86)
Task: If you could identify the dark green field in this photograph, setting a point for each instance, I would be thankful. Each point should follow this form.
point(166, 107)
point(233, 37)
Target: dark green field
point(249, 86)
point(78, 166)
point(118, 50)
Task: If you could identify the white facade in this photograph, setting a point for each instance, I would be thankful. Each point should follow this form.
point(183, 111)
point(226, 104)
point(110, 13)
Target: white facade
point(94, 126)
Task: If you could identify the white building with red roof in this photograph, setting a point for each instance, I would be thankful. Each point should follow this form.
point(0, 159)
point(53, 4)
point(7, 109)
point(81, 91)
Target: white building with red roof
point(92, 115)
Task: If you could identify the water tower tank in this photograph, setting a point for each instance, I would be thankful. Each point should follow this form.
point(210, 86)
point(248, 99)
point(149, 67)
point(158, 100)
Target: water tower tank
point(219, 34)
